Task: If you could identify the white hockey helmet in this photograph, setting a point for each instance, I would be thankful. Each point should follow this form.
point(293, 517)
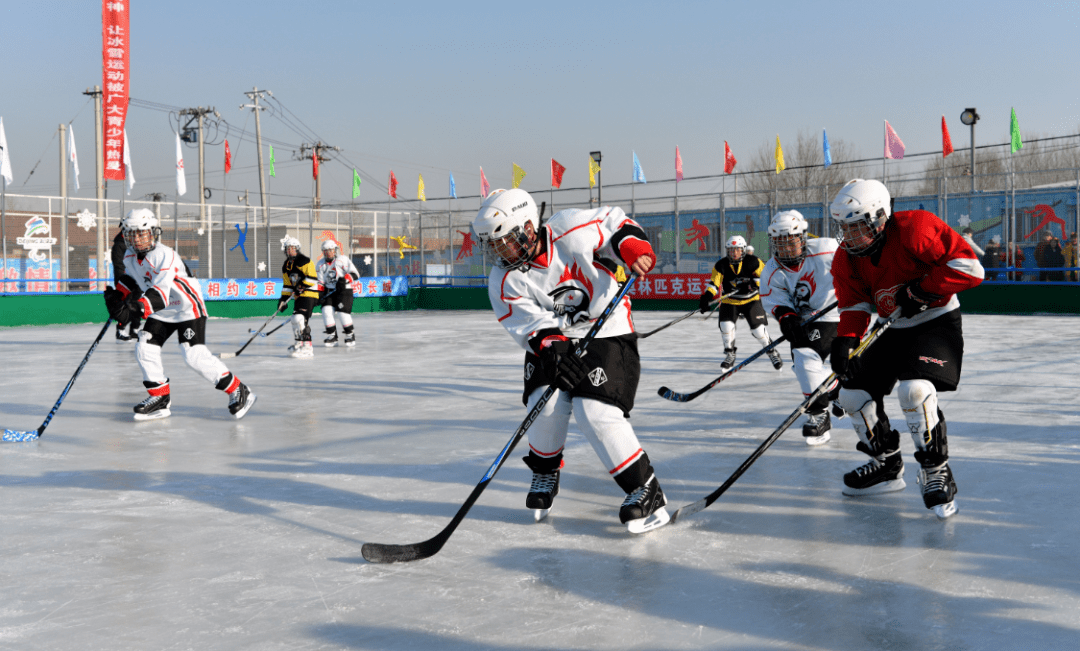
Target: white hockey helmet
point(507, 223)
point(141, 230)
point(860, 211)
point(736, 243)
point(787, 235)
point(288, 241)
point(330, 245)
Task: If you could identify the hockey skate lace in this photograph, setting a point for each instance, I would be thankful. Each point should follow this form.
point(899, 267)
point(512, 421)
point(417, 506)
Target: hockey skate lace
point(868, 468)
point(234, 397)
point(933, 479)
point(150, 401)
point(816, 420)
point(543, 482)
point(637, 497)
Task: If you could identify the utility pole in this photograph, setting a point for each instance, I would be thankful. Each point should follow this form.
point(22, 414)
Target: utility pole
point(63, 207)
point(197, 115)
point(99, 185)
point(254, 94)
point(312, 151)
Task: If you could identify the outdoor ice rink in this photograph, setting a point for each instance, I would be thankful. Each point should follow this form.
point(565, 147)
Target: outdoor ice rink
point(202, 532)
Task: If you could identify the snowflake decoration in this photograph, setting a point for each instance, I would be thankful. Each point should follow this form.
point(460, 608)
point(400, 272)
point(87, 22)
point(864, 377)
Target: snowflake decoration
point(262, 266)
point(200, 232)
point(87, 219)
point(367, 259)
point(965, 221)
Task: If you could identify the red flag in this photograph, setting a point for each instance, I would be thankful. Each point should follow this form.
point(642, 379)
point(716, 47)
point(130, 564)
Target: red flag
point(946, 141)
point(729, 159)
point(485, 187)
point(678, 164)
point(393, 185)
point(228, 158)
point(115, 67)
point(314, 164)
point(556, 173)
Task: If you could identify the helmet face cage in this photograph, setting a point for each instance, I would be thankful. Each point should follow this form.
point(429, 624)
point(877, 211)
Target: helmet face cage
point(513, 250)
point(860, 211)
point(859, 233)
point(507, 224)
point(141, 231)
point(329, 249)
point(736, 244)
point(789, 249)
point(290, 242)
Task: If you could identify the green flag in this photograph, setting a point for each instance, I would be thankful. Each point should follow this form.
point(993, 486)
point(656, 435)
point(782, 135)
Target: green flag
point(1014, 131)
point(356, 183)
point(272, 161)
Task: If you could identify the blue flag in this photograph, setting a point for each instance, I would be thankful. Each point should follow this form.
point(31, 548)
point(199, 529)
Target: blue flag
point(828, 154)
point(453, 188)
point(639, 175)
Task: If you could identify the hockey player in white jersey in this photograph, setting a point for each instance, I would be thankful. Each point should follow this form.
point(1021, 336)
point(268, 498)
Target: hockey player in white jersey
point(336, 275)
point(158, 286)
point(796, 284)
point(549, 284)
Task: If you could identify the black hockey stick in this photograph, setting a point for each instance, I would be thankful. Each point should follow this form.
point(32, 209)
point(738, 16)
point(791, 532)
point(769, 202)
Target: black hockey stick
point(681, 318)
point(704, 502)
point(270, 332)
point(12, 435)
point(259, 331)
point(667, 393)
point(383, 553)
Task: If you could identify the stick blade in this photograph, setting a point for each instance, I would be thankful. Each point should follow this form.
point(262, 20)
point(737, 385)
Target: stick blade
point(380, 553)
point(226, 355)
point(668, 394)
point(689, 509)
point(20, 436)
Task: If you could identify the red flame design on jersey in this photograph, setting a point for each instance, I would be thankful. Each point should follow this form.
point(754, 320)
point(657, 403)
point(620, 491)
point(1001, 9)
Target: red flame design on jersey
point(808, 278)
point(572, 273)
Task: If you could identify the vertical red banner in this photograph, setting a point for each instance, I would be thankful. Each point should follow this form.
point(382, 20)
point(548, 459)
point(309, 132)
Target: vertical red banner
point(115, 65)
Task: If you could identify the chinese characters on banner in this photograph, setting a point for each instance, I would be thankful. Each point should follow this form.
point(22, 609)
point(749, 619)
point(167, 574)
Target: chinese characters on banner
point(229, 289)
point(114, 67)
point(669, 286)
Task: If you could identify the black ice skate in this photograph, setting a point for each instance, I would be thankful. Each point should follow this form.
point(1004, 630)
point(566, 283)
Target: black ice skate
point(774, 357)
point(153, 407)
point(125, 333)
point(350, 339)
point(938, 489)
point(643, 510)
point(815, 430)
point(545, 486)
point(241, 400)
point(729, 361)
point(331, 339)
point(883, 474)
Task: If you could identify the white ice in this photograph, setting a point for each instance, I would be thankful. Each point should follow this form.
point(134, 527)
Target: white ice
point(202, 532)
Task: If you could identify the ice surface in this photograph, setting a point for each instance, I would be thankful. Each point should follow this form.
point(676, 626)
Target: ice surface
point(202, 532)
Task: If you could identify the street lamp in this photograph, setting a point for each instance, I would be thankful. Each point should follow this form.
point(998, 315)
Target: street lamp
point(595, 155)
point(970, 117)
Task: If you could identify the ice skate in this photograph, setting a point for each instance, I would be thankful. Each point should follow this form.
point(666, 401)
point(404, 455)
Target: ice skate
point(125, 333)
point(883, 474)
point(153, 407)
point(643, 510)
point(303, 350)
point(350, 339)
point(241, 400)
point(815, 430)
point(938, 490)
point(545, 486)
point(331, 339)
point(729, 360)
point(774, 357)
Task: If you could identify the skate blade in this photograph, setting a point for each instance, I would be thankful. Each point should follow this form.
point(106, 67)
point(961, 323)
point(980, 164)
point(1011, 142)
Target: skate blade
point(540, 514)
point(350, 344)
point(659, 518)
point(818, 440)
point(943, 511)
point(162, 413)
point(250, 403)
point(330, 345)
point(891, 486)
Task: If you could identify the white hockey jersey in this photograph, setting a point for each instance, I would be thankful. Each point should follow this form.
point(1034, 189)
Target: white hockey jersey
point(328, 273)
point(572, 280)
point(807, 289)
point(170, 294)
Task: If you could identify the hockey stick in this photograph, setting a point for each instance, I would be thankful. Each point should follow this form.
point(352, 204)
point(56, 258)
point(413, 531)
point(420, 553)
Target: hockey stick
point(667, 393)
point(682, 318)
point(259, 331)
point(12, 435)
point(270, 332)
point(704, 502)
point(386, 553)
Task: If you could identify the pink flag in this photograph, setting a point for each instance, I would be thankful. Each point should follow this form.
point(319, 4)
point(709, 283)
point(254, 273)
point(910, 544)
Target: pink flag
point(678, 164)
point(485, 187)
point(894, 146)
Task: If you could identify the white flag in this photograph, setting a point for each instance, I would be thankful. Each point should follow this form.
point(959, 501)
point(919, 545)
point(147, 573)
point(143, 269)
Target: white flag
point(181, 182)
point(73, 158)
point(127, 164)
point(5, 159)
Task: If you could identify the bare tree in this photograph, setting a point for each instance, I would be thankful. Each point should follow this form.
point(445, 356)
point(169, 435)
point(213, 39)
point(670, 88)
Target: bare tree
point(806, 179)
point(1037, 163)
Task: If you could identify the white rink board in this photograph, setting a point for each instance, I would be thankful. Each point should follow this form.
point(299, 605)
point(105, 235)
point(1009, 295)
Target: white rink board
point(202, 532)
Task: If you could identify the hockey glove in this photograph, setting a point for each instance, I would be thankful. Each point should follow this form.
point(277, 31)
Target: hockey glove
point(121, 309)
point(913, 299)
point(845, 366)
point(705, 302)
point(791, 326)
point(564, 369)
point(282, 303)
point(746, 286)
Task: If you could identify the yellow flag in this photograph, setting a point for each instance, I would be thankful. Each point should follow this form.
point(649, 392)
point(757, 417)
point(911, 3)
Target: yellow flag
point(420, 190)
point(779, 155)
point(518, 175)
point(594, 167)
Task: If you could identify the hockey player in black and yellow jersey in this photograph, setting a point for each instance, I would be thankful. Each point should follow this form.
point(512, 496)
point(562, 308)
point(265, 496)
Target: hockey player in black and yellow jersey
point(735, 278)
point(299, 275)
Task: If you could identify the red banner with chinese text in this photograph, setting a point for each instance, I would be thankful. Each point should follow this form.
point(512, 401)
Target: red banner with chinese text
point(114, 68)
point(669, 286)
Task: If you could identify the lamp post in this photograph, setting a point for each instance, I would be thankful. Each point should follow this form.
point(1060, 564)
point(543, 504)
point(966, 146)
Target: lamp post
point(970, 117)
point(599, 184)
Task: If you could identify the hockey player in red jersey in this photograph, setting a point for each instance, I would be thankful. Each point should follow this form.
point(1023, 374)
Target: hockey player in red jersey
point(913, 261)
point(549, 284)
point(158, 286)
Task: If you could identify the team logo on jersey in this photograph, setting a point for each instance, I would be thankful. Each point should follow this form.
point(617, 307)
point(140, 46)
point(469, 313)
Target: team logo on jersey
point(931, 360)
point(814, 335)
point(188, 334)
point(529, 368)
point(572, 295)
point(886, 299)
point(597, 376)
point(805, 288)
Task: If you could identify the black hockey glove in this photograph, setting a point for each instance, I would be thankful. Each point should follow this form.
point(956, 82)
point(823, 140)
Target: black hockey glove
point(839, 357)
point(705, 302)
point(745, 286)
point(913, 299)
point(282, 303)
point(564, 369)
point(124, 311)
point(791, 326)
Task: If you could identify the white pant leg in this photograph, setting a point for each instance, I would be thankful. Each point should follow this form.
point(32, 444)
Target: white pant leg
point(328, 317)
point(298, 325)
point(609, 432)
point(149, 357)
point(762, 335)
point(862, 409)
point(727, 333)
point(547, 435)
point(918, 399)
point(344, 319)
point(203, 361)
point(809, 368)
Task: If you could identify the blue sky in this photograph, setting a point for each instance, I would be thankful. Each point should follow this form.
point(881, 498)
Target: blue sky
point(428, 88)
